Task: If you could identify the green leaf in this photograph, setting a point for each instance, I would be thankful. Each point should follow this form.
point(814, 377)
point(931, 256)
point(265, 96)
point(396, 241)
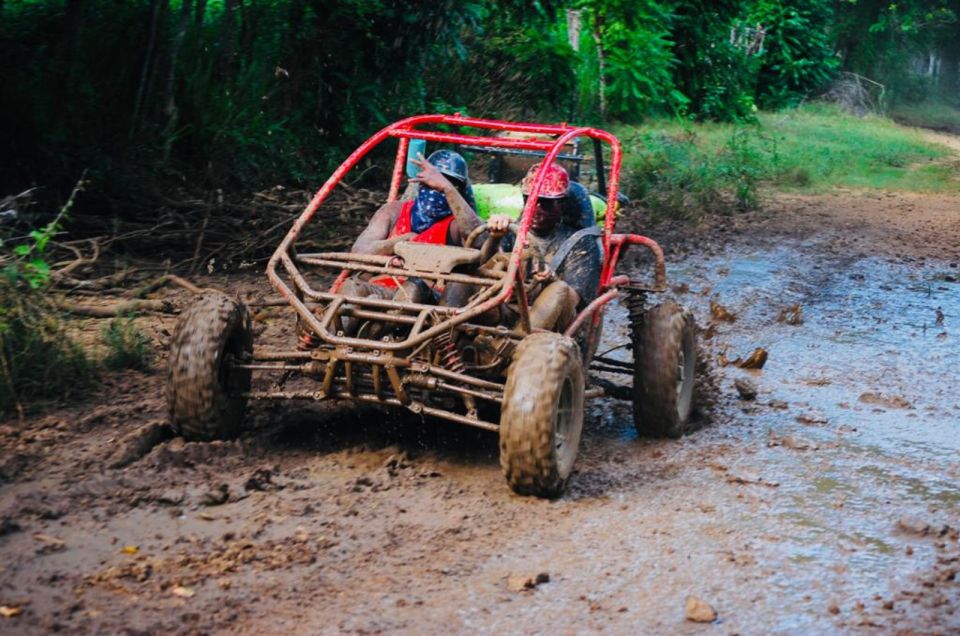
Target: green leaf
point(40, 266)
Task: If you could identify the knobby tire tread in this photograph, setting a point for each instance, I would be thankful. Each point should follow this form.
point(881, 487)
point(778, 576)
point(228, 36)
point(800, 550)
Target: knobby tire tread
point(657, 340)
point(200, 407)
point(541, 363)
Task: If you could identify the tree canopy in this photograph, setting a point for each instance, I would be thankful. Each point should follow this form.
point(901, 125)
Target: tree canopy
point(240, 93)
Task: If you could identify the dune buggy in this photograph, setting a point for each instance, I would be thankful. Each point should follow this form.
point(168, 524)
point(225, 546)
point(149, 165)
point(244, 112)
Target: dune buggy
point(442, 361)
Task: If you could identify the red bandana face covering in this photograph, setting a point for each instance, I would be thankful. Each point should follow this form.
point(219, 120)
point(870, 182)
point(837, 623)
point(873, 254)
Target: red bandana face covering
point(545, 216)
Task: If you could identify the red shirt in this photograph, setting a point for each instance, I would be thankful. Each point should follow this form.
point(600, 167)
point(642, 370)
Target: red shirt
point(436, 234)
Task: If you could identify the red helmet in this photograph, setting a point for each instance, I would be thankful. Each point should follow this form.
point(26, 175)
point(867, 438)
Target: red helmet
point(555, 183)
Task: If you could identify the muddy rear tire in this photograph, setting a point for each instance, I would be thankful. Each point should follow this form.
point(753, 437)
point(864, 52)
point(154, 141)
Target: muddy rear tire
point(665, 360)
point(203, 389)
point(542, 415)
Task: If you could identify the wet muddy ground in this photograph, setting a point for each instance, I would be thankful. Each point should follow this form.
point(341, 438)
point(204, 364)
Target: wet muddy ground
point(828, 503)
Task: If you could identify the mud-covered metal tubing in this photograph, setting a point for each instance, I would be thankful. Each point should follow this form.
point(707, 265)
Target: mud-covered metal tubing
point(405, 129)
point(617, 243)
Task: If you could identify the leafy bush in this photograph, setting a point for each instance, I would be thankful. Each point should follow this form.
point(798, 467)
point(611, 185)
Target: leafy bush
point(683, 175)
point(38, 360)
point(128, 347)
point(711, 71)
point(797, 60)
point(638, 62)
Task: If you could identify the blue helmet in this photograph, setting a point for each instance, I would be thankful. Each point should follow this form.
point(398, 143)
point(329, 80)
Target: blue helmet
point(451, 164)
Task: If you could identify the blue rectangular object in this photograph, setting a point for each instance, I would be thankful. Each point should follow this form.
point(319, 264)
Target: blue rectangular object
point(416, 148)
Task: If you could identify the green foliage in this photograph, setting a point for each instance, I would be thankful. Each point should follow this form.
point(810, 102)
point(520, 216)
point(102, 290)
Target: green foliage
point(38, 360)
point(715, 75)
point(687, 170)
point(882, 40)
point(797, 59)
point(684, 174)
point(517, 69)
point(230, 93)
point(664, 58)
point(639, 64)
point(243, 94)
point(128, 347)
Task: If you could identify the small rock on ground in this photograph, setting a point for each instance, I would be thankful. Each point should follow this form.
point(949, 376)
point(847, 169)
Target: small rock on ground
point(746, 388)
point(699, 611)
point(521, 582)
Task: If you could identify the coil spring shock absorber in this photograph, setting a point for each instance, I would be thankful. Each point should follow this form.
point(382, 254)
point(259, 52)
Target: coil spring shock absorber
point(451, 361)
point(449, 356)
point(636, 302)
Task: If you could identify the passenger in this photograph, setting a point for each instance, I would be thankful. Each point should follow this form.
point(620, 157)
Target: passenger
point(439, 214)
point(570, 256)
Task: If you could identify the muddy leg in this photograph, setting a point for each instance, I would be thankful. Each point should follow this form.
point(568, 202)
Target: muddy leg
point(555, 307)
point(414, 290)
point(458, 295)
point(362, 289)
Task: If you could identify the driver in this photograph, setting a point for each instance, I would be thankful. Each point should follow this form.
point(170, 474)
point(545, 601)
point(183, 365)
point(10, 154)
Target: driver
point(568, 257)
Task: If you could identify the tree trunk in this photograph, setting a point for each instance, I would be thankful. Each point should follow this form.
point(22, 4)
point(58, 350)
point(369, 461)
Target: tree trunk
point(950, 70)
point(72, 60)
point(200, 10)
point(158, 8)
point(170, 102)
point(601, 72)
point(228, 40)
point(298, 51)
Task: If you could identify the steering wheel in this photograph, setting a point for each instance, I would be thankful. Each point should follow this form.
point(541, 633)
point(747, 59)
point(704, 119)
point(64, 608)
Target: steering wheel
point(480, 229)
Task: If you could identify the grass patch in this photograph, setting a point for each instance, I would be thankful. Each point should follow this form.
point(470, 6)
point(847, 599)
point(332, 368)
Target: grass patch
point(684, 169)
point(128, 347)
point(928, 114)
point(838, 150)
point(38, 361)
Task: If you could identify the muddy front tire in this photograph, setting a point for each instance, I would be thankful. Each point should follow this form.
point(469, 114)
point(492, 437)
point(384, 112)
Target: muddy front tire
point(665, 359)
point(203, 388)
point(542, 415)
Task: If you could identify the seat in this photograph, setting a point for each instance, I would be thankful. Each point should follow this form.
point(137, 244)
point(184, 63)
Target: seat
point(578, 211)
point(429, 257)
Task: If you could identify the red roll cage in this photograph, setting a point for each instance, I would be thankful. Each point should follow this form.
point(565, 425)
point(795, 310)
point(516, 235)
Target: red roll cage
point(410, 128)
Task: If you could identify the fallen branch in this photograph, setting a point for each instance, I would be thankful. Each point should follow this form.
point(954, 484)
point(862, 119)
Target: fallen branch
point(80, 259)
point(159, 282)
point(96, 284)
point(116, 309)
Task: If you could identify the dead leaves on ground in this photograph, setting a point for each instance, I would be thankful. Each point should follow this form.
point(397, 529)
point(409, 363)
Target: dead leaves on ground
point(721, 313)
point(755, 360)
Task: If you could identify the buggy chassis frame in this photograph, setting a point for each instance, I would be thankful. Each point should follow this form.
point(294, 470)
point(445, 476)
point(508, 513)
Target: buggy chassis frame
point(394, 371)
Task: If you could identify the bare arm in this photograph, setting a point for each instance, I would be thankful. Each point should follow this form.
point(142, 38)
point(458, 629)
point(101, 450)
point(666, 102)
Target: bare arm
point(373, 239)
point(497, 227)
point(465, 216)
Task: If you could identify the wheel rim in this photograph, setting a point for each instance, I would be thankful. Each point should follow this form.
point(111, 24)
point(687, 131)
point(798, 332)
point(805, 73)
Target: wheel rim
point(564, 444)
point(681, 374)
point(230, 379)
point(685, 375)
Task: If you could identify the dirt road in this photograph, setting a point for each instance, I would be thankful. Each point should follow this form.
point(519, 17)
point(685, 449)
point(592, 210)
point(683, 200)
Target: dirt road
point(828, 504)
